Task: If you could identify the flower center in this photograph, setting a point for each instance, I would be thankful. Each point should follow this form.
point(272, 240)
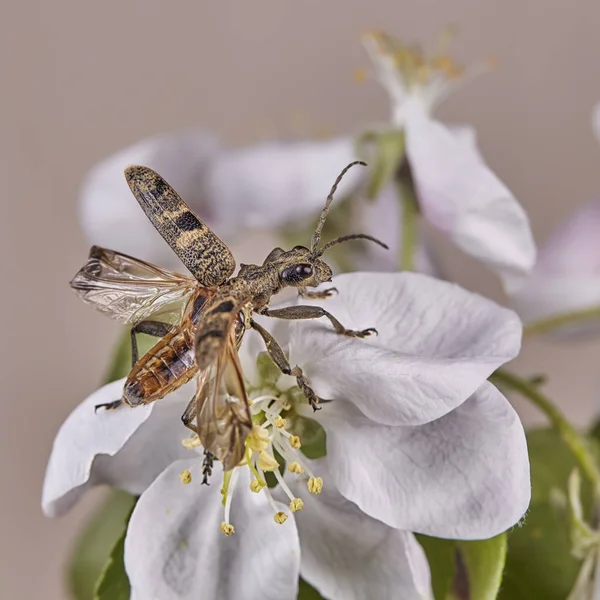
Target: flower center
point(406, 72)
point(270, 448)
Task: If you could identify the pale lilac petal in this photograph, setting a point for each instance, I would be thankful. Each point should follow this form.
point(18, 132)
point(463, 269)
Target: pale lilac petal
point(276, 183)
point(110, 215)
point(460, 195)
point(437, 344)
point(566, 277)
point(463, 476)
point(125, 448)
point(174, 548)
point(347, 555)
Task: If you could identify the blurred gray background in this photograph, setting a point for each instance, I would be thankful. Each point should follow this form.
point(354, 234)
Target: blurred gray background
point(81, 80)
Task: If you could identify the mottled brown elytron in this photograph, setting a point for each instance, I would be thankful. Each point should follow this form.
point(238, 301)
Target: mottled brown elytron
point(201, 320)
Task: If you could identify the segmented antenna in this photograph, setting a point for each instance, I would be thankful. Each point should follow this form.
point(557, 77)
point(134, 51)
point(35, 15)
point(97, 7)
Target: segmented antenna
point(346, 238)
point(316, 238)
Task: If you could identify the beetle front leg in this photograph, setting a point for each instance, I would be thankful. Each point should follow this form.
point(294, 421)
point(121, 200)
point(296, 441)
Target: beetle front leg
point(279, 358)
point(314, 312)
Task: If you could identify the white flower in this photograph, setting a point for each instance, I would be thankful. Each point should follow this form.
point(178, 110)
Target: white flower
point(566, 278)
point(264, 186)
point(417, 440)
point(456, 191)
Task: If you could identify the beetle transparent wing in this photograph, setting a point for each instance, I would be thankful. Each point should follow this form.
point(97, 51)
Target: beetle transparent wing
point(130, 290)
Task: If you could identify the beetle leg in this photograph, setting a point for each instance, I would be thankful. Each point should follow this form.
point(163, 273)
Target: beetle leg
point(154, 328)
point(314, 312)
point(189, 415)
point(279, 358)
point(109, 405)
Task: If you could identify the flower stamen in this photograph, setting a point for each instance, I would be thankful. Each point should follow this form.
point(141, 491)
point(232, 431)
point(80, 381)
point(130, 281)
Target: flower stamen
point(315, 485)
point(186, 477)
point(280, 517)
point(227, 528)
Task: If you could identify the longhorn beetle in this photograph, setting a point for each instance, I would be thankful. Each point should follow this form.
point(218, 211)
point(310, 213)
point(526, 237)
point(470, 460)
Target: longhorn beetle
point(203, 318)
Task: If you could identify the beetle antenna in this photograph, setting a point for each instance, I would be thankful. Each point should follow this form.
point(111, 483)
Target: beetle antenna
point(316, 238)
point(346, 238)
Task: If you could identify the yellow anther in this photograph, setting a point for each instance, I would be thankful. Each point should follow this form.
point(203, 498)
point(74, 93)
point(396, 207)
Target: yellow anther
point(256, 486)
point(258, 440)
point(296, 504)
point(190, 443)
point(360, 75)
point(280, 517)
point(491, 62)
point(295, 442)
point(296, 467)
point(266, 462)
point(443, 63)
point(186, 477)
point(315, 485)
point(227, 528)
point(279, 422)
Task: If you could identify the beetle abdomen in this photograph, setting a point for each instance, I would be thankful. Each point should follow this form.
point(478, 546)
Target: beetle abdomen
point(165, 367)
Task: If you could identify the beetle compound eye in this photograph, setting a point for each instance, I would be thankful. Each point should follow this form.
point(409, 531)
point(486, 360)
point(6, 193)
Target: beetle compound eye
point(297, 273)
point(304, 270)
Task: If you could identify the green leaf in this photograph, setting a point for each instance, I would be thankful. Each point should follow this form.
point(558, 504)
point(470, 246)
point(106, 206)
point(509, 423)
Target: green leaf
point(389, 154)
point(113, 583)
point(539, 563)
point(95, 542)
point(441, 555)
point(307, 592)
point(551, 465)
point(484, 563)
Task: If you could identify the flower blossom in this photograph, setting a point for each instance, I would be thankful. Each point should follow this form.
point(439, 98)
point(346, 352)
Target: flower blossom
point(456, 191)
point(416, 441)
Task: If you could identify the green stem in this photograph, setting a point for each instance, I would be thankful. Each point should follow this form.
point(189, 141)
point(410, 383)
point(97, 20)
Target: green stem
point(410, 218)
point(549, 323)
point(570, 436)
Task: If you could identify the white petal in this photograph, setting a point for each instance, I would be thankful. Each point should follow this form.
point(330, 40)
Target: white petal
point(125, 448)
point(175, 550)
point(463, 476)
point(437, 344)
point(273, 184)
point(347, 555)
point(110, 215)
point(566, 277)
point(460, 195)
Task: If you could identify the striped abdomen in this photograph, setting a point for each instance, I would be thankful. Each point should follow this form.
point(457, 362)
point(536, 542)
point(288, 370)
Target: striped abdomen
point(165, 367)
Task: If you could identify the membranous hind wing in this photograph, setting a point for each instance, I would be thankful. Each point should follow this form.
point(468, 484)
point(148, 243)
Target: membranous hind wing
point(223, 413)
point(208, 259)
point(130, 290)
